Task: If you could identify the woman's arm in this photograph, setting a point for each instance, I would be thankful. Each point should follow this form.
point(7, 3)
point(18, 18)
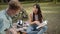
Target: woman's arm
point(30, 19)
point(38, 22)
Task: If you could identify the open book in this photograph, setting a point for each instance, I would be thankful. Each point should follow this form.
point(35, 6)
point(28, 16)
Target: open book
point(42, 24)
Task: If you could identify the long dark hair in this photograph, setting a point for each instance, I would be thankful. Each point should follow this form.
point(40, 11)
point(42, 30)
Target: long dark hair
point(39, 13)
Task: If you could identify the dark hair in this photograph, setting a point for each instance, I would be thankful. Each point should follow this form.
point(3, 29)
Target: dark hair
point(14, 5)
point(39, 13)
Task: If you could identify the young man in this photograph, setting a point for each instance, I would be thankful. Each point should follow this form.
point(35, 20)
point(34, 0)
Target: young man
point(5, 16)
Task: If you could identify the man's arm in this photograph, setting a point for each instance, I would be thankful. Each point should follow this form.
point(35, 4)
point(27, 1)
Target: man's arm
point(1, 25)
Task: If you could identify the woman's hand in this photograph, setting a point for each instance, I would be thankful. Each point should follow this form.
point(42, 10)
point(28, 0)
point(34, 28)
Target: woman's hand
point(37, 22)
point(32, 23)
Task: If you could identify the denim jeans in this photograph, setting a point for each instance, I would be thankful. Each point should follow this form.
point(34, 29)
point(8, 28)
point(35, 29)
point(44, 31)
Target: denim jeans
point(36, 31)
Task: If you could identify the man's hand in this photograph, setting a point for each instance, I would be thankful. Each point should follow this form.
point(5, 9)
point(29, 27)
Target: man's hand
point(7, 31)
point(13, 30)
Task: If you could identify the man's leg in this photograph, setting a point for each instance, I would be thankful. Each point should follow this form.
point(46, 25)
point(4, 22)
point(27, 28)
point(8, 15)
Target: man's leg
point(44, 29)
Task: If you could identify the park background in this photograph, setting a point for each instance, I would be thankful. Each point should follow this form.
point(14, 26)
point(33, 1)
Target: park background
point(50, 10)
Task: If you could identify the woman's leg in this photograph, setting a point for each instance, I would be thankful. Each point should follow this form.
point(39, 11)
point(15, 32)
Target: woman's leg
point(30, 30)
point(44, 29)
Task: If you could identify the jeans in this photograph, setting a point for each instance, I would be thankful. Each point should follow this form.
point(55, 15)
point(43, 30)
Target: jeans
point(36, 31)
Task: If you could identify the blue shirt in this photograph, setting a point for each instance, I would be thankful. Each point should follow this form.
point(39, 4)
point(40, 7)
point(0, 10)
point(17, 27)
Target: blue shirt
point(5, 21)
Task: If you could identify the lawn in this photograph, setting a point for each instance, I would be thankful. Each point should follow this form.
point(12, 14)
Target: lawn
point(45, 7)
point(51, 12)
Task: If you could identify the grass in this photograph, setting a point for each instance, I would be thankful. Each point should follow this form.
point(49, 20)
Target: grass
point(45, 7)
point(51, 12)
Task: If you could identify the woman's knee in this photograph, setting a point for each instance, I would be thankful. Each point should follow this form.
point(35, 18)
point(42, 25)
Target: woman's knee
point(29, 29)
point(45, 28)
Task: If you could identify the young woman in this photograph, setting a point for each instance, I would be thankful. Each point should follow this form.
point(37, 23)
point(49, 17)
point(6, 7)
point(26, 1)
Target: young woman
point(35, 19)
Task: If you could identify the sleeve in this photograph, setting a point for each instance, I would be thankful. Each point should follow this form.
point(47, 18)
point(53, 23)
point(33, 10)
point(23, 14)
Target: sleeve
point(1, 25)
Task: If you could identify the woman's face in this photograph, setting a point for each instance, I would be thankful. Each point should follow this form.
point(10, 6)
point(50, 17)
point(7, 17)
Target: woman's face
point(35, 10)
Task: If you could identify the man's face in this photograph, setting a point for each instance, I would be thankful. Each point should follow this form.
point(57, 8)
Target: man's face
point(13, 12)
point(17, 12)
point(14, 7)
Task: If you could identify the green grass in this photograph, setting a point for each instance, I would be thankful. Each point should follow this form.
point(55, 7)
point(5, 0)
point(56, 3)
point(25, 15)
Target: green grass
point(45, 7)
point(51, 12)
